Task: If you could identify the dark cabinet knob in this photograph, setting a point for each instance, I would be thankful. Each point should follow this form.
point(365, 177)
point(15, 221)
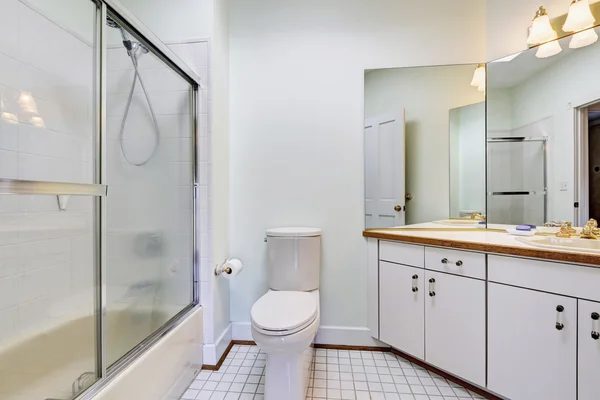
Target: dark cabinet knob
point(432, 280)
point(444, 261)
point(415, 276)
point(459, 263)
point(595, 316)
point(415, 289)
point(559, 326)
point(431, 294)
point(560, 308)
point(595, 335)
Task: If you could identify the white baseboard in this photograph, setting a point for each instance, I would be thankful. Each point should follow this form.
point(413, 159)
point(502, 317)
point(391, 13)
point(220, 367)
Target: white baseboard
point(212, 352)
point(328, 334)
point(241, 331)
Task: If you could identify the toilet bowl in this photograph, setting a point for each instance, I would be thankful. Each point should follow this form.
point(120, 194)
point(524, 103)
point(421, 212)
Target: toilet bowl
point(284, 326)
point(285, 320)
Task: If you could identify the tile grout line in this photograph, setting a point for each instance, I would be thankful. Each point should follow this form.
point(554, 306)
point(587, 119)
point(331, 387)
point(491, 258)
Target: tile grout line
point(370, 375)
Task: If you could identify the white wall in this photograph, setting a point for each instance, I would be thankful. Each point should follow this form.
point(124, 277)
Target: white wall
point(428, 95)
point(174, 21)
point(297, 77)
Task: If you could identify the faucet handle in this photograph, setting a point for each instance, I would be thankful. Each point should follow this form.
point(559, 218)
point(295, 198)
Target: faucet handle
point(564, 232)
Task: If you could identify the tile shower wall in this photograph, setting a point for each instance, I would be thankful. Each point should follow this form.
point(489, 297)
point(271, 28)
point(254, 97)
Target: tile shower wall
point(46, 132)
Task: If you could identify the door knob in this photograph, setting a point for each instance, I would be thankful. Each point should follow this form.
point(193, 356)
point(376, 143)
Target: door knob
point(397, 208)
point(409, 196)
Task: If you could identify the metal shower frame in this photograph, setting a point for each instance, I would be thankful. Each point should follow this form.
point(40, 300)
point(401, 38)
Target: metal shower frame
point(126, 19)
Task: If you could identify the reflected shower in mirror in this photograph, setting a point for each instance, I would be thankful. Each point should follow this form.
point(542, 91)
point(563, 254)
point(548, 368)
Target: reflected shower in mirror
point(424, 147)
point(541, 136)
point(467, 161)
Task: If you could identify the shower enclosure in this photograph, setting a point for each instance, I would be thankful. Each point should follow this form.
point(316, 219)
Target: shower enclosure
point(98, 254)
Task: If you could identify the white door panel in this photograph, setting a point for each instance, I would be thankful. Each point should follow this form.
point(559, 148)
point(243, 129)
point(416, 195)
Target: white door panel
point(455, 325)
point(384, 171)
point(401, 307)
point(588, 346)
point(528, 357)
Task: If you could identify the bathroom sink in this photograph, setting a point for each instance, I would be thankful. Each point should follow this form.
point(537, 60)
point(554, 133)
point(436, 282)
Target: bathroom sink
point(458, 222)
point(573, 244)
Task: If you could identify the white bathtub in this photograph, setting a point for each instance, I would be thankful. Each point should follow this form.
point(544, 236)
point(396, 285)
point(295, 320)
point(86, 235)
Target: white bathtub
point(47, 365)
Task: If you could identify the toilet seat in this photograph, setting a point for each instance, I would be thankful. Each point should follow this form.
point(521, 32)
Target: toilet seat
point(279, 313)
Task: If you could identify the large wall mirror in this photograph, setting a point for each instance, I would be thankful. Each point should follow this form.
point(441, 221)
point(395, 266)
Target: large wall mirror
point(543, 136)
point(424, 147)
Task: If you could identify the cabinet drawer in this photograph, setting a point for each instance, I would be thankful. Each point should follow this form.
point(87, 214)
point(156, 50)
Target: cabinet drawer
point(565, 279)
point(455, 262)
point(401, 253)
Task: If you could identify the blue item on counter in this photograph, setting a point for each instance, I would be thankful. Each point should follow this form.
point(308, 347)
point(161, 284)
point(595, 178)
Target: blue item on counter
point(525, 228)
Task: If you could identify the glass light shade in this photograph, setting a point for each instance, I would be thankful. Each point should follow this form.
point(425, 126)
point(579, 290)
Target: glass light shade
point(9, 117)
point(583, 39)
point(548, 50)
point(27, 102)
point(541, 31)
point(580, 17)
point(38, 121)
point(481, 87)
point(478, 76)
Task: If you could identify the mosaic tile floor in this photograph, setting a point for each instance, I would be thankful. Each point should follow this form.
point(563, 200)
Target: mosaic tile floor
point(337, 374)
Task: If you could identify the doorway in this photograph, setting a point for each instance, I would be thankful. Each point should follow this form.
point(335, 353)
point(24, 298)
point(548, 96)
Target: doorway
point(594, 161)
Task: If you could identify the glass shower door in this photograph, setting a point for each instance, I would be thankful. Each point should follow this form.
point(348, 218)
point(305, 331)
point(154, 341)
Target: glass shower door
point(48, 319)
point(149, 212)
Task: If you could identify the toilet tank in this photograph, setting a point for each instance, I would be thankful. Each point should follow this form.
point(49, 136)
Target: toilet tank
point(294, 258)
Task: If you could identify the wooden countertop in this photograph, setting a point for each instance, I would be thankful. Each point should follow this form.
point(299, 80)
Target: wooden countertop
point(478, 240)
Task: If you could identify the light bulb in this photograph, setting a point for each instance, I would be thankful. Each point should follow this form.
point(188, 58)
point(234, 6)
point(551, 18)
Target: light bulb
point(9, 117)
point(27, 102)
point(584, 38)
point(38, 121)
point(580, 17)
point(548, 49)
point(479, 76)
point(541, 30)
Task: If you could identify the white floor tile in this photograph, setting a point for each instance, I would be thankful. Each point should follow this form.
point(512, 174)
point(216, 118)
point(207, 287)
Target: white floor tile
point(335, 374)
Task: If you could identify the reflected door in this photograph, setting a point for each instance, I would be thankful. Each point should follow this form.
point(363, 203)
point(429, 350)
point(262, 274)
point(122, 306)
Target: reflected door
point(385, 171)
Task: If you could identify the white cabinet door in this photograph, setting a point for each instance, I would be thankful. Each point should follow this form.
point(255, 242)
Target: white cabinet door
point(589, 350)
point(401, 321)
point(532, 345)
point(455, 325)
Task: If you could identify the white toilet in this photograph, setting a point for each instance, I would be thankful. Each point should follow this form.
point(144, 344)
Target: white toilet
point(286, 319)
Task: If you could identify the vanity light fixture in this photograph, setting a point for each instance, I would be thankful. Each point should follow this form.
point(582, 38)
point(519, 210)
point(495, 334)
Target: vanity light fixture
point(548, 49)
point(582, 39)
point(479, 78)
point(580, 18)
point(541, 31)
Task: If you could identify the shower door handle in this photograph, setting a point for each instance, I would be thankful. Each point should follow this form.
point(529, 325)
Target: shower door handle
point(18, 186)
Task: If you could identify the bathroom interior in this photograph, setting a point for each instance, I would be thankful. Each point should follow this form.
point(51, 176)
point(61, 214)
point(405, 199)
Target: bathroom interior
point(256, 199)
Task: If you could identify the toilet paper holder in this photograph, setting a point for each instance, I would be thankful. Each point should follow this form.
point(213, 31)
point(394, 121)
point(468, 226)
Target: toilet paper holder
point(221, 269)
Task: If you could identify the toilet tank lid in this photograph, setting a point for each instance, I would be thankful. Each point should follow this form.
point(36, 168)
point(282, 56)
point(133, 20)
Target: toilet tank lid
point(293, 232)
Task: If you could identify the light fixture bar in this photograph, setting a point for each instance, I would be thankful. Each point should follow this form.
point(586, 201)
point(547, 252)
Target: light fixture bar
point(558, 22)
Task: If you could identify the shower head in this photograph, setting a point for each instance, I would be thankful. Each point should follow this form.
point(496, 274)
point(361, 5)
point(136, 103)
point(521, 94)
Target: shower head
point(113, 24)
